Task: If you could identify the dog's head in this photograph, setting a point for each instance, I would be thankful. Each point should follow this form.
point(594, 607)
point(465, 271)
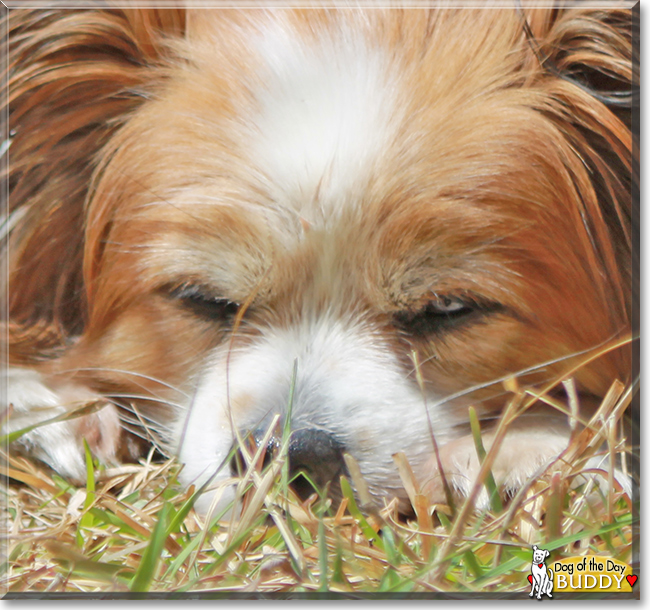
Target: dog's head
point(539, 555)
point(366, 219)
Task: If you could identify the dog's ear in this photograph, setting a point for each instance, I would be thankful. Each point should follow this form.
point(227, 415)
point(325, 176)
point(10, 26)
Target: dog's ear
point(588, 59)
point(547, 553)
point(74, 78)
point(534, 547)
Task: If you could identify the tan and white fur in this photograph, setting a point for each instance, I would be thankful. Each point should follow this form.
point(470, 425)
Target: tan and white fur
point(201, 201)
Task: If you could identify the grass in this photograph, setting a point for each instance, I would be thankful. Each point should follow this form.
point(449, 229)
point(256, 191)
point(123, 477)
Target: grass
point(133, 529)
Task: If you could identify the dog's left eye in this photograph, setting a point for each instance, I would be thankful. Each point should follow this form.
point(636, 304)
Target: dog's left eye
point(439, 314)
point(200, 302)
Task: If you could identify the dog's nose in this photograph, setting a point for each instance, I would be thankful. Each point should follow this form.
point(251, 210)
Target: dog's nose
point(315, 459)
point(315, 456)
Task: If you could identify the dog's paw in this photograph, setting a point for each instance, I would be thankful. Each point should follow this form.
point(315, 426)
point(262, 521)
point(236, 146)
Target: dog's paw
point(31, 401)
point(527, 446)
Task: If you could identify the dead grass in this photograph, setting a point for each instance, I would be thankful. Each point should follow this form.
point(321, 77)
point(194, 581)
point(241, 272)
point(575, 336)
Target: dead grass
point(133, 529)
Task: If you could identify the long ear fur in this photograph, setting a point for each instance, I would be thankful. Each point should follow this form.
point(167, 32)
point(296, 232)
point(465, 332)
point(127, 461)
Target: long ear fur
point(74, 78)
point(588, 57)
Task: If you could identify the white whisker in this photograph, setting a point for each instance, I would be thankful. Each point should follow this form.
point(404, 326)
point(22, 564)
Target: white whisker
point(126, 372)
point(162, 401)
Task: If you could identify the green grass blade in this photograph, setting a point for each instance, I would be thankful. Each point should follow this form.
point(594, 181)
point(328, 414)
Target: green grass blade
point(490, 484)
point(180, 559)
point(338, 576)
point(322, 550)
point(392, 555)
point(148, 564)
point(87, 519)
point(389, 581)
point(368, 532)
point(472, 563)
point(80, 565)
point(444, 520)
point(181, 513)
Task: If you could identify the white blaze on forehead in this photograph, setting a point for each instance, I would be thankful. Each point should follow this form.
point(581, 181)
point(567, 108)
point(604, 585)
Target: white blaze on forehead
point(326, 112)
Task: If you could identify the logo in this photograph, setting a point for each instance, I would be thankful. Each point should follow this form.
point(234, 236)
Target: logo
point(578, 574)
point(540, 578)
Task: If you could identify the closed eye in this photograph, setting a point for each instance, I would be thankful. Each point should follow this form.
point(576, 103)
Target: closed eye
point(198, 300)
point(441, 314)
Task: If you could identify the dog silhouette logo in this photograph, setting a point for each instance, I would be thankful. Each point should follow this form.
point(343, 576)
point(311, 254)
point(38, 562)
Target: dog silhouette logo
point(541, 578)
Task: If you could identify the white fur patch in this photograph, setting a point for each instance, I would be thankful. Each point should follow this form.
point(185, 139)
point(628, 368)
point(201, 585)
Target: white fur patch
point(348, 383)
point(327, 111)
point(57, 444)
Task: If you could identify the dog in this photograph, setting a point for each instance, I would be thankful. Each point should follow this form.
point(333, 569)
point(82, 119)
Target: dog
point(542, 576)
point(357, 222)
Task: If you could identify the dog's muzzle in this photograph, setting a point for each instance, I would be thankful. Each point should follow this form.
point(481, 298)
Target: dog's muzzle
point(315, 460)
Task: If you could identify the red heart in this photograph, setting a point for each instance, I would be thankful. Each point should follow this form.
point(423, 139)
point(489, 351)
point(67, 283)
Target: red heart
point(530, 579)
point(539, 565)
point(631, 578)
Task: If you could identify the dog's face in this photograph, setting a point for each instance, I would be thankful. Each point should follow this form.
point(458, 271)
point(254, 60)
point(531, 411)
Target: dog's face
point(368, 220)
point(539, 555)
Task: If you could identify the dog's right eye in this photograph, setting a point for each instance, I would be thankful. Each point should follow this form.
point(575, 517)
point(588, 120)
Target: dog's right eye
point(199, 301)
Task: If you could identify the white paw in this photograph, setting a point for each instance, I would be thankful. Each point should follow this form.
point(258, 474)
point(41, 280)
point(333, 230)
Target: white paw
point(529, 444)
point(31, 401)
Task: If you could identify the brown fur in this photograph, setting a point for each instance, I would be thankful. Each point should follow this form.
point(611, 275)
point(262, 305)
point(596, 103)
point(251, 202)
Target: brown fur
point(523, 192)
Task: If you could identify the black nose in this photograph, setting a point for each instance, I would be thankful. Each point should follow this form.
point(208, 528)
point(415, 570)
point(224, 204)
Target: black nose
point(315, 459)
point(315, 456)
